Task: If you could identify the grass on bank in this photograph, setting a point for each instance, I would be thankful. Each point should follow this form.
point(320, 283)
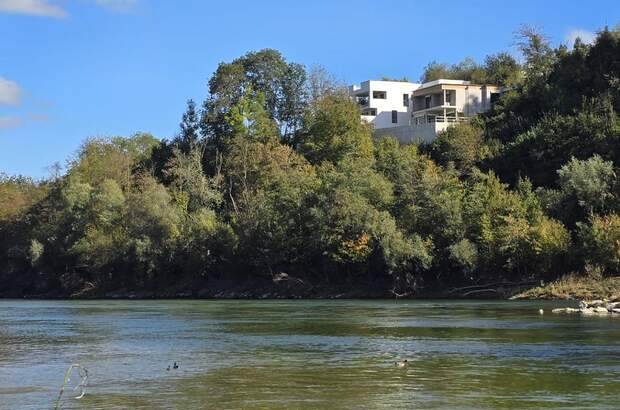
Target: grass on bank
point(573, 286)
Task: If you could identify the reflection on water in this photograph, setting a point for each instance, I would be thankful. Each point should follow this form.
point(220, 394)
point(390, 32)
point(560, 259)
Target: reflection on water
point(308, 355)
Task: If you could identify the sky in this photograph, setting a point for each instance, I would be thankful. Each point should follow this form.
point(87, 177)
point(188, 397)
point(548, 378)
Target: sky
point(74, 69)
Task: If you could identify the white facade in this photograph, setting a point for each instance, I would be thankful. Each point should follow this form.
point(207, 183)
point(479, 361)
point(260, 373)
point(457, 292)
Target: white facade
point(384, 104)
point(417, 112)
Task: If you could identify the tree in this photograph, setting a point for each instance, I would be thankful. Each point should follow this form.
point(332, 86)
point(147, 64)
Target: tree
point(502, 69)
point(102, 239)
point(270, 187)
point(467, 70)
point(281, 83)
point(537, 52)
point(461, 144)
point(115, 158)
point(333, 131)
point(600, 242)
point(353, 234)
point(319, 84)
point(248, 119)
point(435, 71)
point(154, 226)
point(190, 184)
point(190, 127)
point(17, 195)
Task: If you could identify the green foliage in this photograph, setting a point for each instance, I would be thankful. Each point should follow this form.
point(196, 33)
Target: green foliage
point(99, 159)
point(35, 252)
point(467, 70)
point(248, 118)
point(589, 183)
point(501, 69)
point(191, 186)
point(352, 231)
point(99, 217)
point(465, 254)
point(269, 187)
point(332, 130)
point(538, 54)
point(461, 144)
point(600, 242)
point(190, 128)
point(17, 195)
point(264, 72)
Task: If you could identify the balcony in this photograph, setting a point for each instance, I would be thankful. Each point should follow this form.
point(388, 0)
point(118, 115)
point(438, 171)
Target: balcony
point(363, 101)
point(448, 119)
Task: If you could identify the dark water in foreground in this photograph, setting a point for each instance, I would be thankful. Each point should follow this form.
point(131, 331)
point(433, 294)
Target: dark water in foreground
point(308, 355)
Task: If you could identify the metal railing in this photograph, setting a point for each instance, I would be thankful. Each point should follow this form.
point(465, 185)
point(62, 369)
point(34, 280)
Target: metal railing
point(441, 119)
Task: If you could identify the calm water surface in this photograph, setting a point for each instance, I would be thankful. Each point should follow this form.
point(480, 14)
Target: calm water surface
point(308, 355)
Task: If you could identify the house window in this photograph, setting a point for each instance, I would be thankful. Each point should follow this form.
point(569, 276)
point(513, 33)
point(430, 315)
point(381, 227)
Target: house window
point(448, 98)
point(494, 98)
point(427, 101)
point(369, 111)
point(406, 100)
point(394, 117)
point(380, 95)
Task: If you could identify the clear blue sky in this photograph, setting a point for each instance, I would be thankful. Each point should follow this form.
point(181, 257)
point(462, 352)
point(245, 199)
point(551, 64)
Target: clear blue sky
point(70, 69)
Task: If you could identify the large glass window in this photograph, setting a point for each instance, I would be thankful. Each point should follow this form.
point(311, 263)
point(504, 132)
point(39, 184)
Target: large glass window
point(380, 95)
point(406, 100)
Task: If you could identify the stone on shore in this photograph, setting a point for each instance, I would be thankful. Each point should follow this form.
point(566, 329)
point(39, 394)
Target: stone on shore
point(591, 308)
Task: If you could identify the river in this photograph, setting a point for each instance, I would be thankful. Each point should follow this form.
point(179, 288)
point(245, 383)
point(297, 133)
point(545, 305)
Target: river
point(307, 355)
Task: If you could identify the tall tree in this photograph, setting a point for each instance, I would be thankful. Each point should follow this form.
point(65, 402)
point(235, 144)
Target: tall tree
point(281, 83)
point(190, 128)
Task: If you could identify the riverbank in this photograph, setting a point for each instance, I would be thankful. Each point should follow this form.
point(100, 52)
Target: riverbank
point(575, 287)
point(283, 286)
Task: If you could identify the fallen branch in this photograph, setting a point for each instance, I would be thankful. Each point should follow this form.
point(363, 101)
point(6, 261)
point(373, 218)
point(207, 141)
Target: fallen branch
point(83, 373)
point(489, 285)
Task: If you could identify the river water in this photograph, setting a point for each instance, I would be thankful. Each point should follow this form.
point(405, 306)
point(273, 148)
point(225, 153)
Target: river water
point(307, 355)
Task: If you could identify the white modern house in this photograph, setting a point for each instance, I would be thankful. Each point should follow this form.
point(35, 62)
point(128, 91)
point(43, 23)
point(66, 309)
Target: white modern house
point(384, 104)
point(417, 112)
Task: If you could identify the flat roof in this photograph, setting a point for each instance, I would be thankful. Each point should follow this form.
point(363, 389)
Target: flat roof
point(451, 82)
point(418, 86)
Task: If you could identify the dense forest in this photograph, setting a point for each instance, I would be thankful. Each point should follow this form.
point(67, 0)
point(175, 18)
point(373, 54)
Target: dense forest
point(273, 179)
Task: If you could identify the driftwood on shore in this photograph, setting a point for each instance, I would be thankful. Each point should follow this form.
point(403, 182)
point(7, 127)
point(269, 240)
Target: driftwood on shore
point(494, 288)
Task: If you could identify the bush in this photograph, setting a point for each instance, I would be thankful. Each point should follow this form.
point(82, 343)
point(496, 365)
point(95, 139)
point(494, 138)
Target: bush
point(600, 242)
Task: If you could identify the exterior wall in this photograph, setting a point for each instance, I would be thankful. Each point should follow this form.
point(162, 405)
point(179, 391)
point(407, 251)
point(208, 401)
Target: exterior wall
point(404, 134)
point(413, 134)
point(384, 107)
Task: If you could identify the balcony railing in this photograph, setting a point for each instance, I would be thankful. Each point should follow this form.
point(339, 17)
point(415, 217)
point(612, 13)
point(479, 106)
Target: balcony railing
point(441, 118)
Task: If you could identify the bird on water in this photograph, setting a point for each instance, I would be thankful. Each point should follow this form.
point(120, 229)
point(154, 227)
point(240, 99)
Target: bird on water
point(403, 363)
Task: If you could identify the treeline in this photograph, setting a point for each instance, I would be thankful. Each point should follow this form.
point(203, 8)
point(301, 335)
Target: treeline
point(274, 173)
